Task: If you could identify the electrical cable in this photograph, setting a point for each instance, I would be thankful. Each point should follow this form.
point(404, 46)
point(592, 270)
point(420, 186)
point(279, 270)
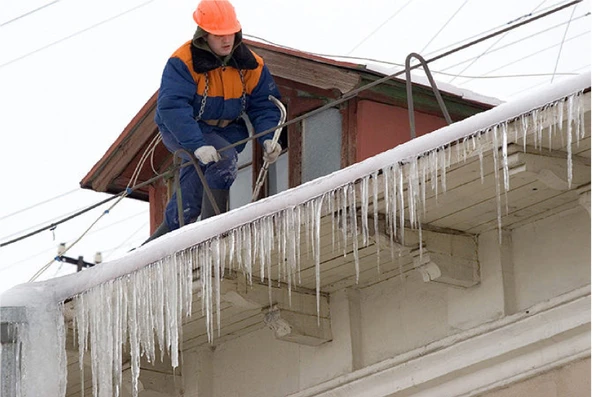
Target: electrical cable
point(562, 42)
point(53, 247)
point(379, 27)
point(442, 71)
point(133, 179)
point(468, 39)
point(545, 82)
point(344, 98)
point(493, 45)
point(356, 91)
point(528, 56)
point(76, 33)
point(28, 13)
point(38, 204)
point(444, 26)
point(515, 42)
point(111, 251)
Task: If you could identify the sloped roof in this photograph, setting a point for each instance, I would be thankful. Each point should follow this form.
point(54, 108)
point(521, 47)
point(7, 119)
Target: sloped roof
point(114, 170)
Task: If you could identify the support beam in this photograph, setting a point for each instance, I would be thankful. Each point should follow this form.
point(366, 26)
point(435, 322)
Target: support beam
point(443, 256)
point(291, 314)
point(585, 197)
point(551, 170)
point(298, 327)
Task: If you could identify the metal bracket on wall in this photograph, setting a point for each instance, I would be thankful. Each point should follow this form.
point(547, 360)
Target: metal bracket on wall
point(409, 96)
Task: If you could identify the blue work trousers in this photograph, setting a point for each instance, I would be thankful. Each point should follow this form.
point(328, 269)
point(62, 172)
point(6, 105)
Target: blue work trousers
point(219, 175)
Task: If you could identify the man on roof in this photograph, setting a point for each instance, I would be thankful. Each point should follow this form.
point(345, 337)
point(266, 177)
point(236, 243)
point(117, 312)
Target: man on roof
point(207, 84)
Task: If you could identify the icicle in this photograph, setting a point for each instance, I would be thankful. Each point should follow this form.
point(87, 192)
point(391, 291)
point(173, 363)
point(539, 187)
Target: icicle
point(505, 163)
point(353, 219)
point(345, 218)
point(413, 192)
point(443, 170)
point(376, 217)
point(317, 234)
point(386, 196)
point(570, 140)
point(364, 209)
point(480, 155)
point(394, 209)
point(333, 212)
point(423, 194)
point(497, 181)
point(401, 198)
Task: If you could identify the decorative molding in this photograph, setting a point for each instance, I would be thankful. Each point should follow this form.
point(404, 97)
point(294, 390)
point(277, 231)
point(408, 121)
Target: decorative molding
point(297, 327)
point(496, 354)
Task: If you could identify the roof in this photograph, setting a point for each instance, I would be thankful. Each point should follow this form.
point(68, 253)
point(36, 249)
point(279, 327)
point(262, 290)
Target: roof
point(114, 170)
point(181, 239)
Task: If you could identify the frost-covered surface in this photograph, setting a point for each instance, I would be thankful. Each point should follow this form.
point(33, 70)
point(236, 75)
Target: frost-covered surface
point(142, 297)
point(43, 366)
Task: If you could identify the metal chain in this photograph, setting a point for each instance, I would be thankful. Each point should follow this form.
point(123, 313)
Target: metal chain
point(205, 95)
point(243, 93)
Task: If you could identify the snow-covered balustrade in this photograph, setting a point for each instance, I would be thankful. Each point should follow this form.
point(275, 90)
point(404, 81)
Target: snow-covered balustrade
point(139, 301)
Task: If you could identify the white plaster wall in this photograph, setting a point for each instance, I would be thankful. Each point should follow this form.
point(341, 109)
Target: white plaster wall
point(257, 364)
point(400, 315)
point(551, 257)
point(534, 264)
point(573, 380)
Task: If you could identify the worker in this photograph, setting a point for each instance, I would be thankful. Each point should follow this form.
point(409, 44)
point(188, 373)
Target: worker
point(207, 84)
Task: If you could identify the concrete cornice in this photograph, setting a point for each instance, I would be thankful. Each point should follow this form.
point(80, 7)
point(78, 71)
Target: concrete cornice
point(543, 337)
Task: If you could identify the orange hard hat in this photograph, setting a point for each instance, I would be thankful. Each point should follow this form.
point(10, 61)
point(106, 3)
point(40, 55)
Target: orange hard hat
point(217, 17)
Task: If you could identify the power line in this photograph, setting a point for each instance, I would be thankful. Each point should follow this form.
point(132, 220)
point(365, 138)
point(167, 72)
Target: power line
point(544, 82)
point(529, 56)
point(442, 71)
point(562, 42)
point(379, 27)
point(493, 45)
point(76, 33)
point(38, 204)
point(344, 98)
point(515, 42)
point(28, 13)
point(53, 247)
point(111, 251)
point(468, 39)
point(43, 223)
point(444, 26)
point(356, 91)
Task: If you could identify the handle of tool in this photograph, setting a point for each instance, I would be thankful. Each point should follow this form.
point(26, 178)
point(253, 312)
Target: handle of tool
point(265, 167)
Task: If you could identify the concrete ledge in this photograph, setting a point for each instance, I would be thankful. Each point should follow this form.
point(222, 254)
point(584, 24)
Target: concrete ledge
point(548, 335)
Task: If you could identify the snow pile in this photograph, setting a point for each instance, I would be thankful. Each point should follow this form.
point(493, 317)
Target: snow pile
point(40, 342)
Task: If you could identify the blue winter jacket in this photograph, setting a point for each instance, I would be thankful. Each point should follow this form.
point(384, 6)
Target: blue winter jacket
point(183, 86)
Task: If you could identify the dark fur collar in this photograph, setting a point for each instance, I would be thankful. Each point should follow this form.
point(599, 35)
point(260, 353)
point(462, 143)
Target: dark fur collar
point(205, 61)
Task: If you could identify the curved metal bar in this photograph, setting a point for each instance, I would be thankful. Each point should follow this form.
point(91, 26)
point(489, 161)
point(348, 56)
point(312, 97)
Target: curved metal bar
point(260, 180)
point(177, 163)
point(409, 97)
point(196, 165)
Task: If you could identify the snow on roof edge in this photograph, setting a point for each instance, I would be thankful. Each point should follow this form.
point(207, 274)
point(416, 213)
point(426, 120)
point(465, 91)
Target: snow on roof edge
point(65, 287)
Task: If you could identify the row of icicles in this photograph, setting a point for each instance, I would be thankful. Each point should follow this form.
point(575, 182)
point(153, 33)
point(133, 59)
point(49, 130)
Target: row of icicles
point(147, 306)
